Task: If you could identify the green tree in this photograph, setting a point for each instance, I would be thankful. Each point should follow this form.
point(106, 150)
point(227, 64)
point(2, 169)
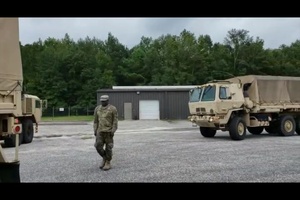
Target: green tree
point(235, 41)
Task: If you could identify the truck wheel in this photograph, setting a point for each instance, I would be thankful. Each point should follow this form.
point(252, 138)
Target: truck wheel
point(10, 141)
point(207, 132)
point(287, 125)
point(297, 125)
point(270, 129)
point(255, 130)
point(237, 128)
point(27, 127)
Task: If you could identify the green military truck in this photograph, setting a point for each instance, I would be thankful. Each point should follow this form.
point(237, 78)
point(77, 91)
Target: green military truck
point(19, 113)
point(253, 102)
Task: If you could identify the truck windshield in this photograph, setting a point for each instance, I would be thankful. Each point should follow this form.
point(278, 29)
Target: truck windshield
point(195, 94)
point(209, 93)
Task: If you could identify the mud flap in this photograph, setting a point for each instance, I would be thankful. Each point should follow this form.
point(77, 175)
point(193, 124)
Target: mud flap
point(10, 172)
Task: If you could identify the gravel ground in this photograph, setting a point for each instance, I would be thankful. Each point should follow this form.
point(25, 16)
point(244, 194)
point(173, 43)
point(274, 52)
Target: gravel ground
point(157, 151)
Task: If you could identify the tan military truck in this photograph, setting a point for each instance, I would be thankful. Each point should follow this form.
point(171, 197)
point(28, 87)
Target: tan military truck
point(20, 113)
point(254, 103)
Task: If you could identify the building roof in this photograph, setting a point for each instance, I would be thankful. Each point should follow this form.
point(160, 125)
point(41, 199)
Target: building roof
point(149, 88)
point(154, 87)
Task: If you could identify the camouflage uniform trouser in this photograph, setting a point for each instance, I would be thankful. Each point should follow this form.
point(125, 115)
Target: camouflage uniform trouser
point(104, 139)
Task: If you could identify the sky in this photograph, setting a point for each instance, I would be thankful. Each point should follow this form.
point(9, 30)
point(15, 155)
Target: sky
point(129, 31)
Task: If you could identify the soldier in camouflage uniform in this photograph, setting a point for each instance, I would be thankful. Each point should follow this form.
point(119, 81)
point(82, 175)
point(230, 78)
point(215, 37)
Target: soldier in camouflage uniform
point(105, 125)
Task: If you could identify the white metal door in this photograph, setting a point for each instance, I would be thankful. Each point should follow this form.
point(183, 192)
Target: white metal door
point(149, 109)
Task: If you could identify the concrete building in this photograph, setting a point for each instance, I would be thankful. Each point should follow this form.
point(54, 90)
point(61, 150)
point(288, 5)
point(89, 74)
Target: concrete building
point(149, 102)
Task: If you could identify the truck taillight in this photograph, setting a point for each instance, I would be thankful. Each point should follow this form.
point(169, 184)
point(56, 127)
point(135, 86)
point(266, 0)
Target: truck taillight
point(17, 129)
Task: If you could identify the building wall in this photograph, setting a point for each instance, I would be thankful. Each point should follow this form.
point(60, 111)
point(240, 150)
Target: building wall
point(177, 105)
point(172, 104)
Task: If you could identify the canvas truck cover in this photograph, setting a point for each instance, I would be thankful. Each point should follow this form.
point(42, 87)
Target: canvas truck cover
point(271, 89)
point(10, 56)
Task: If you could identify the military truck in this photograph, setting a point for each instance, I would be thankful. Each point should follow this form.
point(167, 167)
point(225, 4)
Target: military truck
point(253, 102)
point(20, 113)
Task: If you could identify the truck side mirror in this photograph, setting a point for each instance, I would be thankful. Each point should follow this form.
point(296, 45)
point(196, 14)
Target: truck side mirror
point(44, 104)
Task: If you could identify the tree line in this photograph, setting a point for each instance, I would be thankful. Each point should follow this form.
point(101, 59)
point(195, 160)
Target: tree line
point(69, 73)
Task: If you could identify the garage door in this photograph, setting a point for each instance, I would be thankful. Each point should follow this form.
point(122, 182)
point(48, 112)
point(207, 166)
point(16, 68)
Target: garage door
point(149, 109)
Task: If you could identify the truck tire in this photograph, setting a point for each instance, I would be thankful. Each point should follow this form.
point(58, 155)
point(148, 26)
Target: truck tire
point(10, 141)
point(237, 128)
point(273, 127)
point(287, 125)
point(255, 130)
point(207, 132)
point(27, 126)
point(270, 130)
point(297, 120)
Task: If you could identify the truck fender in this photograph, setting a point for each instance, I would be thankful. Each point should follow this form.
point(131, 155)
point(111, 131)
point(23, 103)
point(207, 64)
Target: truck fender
point(228, 116)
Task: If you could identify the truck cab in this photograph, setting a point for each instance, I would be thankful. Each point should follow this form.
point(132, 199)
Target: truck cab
point(210, 104)
point(24, 123)
point(220, 105)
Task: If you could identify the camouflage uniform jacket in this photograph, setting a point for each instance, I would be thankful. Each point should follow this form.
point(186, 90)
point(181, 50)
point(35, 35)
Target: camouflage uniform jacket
point(105, 119)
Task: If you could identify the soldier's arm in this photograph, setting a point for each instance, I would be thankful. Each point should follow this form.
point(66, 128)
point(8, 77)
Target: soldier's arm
point(115, 120)
point(95, 120)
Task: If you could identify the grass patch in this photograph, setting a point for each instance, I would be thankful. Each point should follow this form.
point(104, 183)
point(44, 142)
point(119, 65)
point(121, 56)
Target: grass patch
point(68, 118)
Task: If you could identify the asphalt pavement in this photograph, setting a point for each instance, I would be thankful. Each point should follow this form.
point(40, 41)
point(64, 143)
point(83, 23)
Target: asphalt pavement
point(157, 151)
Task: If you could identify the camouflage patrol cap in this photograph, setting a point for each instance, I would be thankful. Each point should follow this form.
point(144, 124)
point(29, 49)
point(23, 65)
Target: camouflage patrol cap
point(104, 98)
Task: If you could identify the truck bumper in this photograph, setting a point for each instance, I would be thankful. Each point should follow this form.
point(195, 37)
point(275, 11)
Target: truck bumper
point(205, 121)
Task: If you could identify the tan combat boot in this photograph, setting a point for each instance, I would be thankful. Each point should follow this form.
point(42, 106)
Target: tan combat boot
point(107, 165)
point(102, 163)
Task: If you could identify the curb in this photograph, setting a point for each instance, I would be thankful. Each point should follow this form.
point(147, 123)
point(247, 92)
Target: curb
point(64, 123)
